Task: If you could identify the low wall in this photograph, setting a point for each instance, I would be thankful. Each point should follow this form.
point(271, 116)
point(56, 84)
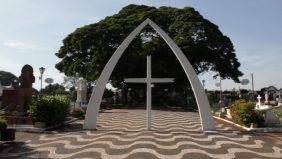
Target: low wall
point(270, 117)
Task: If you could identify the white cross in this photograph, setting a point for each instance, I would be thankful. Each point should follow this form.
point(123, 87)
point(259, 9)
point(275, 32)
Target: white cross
point(259, 97)
point(149, 80)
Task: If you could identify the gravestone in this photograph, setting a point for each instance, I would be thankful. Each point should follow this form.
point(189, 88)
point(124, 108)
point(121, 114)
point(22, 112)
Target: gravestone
point(258, 104)
point(270, 117)
point(266, 96)
point(81, 92)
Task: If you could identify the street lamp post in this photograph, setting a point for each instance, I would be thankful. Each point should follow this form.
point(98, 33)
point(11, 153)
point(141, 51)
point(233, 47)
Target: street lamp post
point(219, 84)
point(41, 70)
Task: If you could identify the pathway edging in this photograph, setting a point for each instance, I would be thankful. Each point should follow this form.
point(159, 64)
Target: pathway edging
point(267, 130)
point(31, 128)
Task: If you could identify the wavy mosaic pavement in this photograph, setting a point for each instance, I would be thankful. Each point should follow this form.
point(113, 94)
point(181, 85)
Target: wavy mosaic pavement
point(122, 135)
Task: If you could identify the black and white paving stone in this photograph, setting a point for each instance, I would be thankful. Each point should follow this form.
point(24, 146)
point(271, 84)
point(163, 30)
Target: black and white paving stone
point(122, 134)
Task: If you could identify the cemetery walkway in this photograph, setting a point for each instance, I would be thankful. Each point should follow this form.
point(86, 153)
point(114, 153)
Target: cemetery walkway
point(122, 134)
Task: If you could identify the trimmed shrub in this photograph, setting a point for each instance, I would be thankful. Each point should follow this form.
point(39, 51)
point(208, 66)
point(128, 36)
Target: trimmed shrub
point(243, 113)
point(278, 113)
point(3, 124)
point(78, 113)
point(52, 110)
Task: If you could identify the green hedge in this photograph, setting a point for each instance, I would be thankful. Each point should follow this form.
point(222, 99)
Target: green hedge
point(3, 124)
point(278, 114)
point(52, 110)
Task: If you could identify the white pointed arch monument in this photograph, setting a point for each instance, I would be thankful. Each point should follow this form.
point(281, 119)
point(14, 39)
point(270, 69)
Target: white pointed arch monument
point(98, 91)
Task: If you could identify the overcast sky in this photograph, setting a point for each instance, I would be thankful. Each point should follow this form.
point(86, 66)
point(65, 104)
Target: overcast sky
point(31, 31)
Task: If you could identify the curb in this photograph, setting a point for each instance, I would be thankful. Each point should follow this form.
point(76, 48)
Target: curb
point(31, 128)
point(266, 130)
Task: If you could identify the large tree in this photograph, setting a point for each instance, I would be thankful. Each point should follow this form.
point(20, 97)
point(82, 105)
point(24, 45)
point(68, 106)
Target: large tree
point(53, 89)
point(87, 50)
point(7, 78)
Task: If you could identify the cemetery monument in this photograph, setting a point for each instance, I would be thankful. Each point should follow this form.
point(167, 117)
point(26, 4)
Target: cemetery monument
point(81, 92)
point(19, 99)
point(201, 98)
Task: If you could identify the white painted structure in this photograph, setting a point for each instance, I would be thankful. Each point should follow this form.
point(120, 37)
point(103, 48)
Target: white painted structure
point(96, 97)
point(81, 92)
point(259, 106)
point(266, 96)
point(149, 80)
point(273, 93)
point(269, 116)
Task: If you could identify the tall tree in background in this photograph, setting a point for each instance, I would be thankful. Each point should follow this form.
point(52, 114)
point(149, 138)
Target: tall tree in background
point(7, 78)
point(87, 50)
point(53, 89)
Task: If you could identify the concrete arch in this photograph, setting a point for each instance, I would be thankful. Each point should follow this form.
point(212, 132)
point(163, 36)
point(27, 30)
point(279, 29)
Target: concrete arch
point(201, 98)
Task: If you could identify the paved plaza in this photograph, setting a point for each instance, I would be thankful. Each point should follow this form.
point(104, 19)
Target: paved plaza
point(122, 134)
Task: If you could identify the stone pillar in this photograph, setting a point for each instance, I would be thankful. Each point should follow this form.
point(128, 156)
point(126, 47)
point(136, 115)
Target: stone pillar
point(81, 92)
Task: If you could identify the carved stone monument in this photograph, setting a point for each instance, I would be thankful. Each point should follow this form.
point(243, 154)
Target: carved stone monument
point(19, 99)
point(81, 92)
point(26, 79)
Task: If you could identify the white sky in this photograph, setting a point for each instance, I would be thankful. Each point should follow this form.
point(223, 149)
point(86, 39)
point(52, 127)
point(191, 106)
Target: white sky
point(31, 32)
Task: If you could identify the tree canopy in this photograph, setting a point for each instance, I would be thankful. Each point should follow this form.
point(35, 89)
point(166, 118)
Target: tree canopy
point(87, 50)
point(7, 78)
point(53, 89)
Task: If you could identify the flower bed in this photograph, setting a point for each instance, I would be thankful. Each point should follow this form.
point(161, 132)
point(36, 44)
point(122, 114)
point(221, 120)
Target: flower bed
point(244, 113)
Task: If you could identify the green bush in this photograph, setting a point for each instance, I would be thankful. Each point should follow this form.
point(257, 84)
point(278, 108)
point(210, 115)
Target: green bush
point(278, 114)
point(191, 102)
point(50, 109)
point(3, 124)
point(77, 113)
point(243, 113)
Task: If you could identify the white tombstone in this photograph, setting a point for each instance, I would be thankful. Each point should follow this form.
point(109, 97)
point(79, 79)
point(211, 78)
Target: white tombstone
point(81, 92)
point(228, 113)
point(258, 104)
point(266, 96)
